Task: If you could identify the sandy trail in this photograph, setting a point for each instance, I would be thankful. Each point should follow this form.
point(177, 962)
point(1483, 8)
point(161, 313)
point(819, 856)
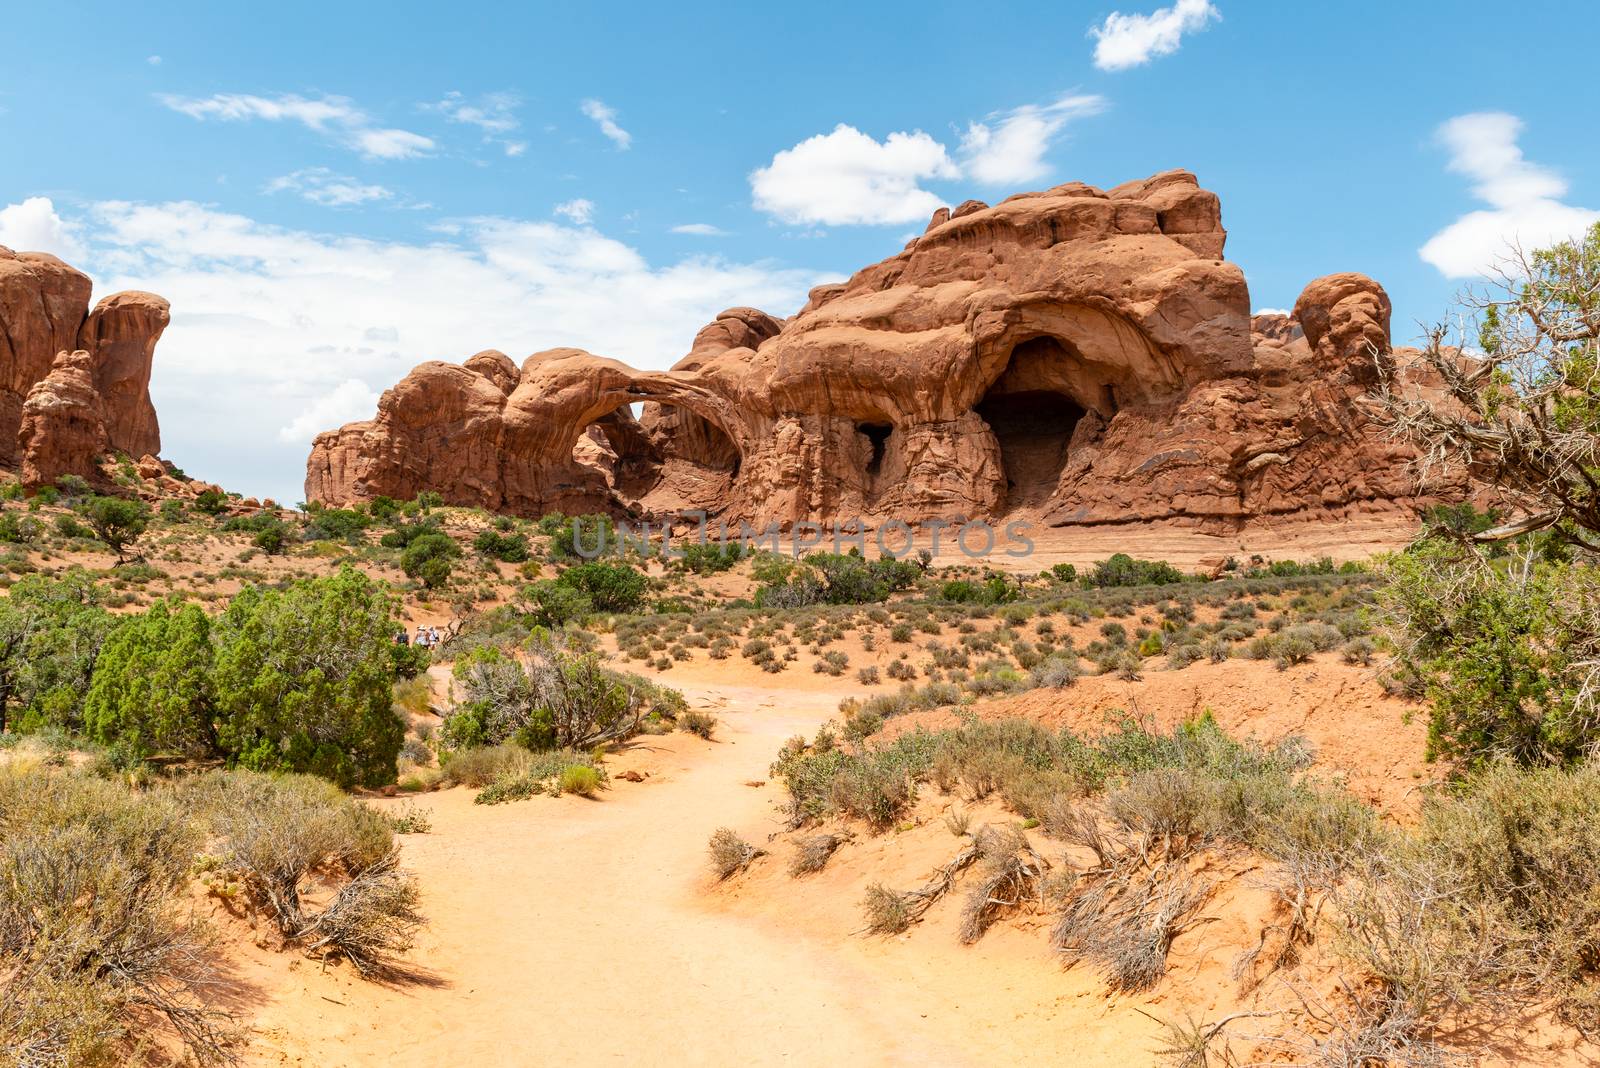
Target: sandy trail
point(591, 930)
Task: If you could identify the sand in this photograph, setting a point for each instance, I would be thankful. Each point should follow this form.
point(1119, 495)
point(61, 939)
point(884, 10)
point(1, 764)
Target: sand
point(565, 930)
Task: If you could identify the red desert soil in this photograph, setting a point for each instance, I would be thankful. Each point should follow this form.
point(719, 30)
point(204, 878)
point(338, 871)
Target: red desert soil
point(1358, 733)
point(565, 928)
point(593, 931)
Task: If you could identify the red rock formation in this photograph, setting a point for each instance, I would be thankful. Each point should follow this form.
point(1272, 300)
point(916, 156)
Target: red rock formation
point(122, 332)
point(43, 303)
point(63, 429)
point(1083, 355)
point(48, 335)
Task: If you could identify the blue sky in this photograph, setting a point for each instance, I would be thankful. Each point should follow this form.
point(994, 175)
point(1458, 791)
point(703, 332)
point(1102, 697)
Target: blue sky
point(330, 193)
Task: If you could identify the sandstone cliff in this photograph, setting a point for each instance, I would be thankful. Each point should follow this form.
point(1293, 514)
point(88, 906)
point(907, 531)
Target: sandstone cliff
point(73, 381)
point(1081, 355)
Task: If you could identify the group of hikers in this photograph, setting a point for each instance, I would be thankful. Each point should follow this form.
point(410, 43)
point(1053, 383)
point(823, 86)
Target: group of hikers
point(426, 637)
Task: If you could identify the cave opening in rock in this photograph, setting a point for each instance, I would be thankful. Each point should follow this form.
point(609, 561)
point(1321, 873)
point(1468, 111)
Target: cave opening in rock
point(1034, 428)
point(877, 435)
point(660, 458)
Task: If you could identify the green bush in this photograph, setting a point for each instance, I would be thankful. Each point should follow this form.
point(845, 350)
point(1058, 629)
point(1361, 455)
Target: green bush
point(337, 524)
point(304, 679)
point(511, 548)
point(151, 687)
point(609, 587)
point(427, 558)
point(116, 521)
point(212, 502)
point(1504, 650)
point(51, 630)
point(554, 604)
point(1124, 570)
point(709, 557)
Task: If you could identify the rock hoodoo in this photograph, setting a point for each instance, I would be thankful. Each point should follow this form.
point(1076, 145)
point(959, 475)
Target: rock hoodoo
point(74, 383)
point(1085, 356)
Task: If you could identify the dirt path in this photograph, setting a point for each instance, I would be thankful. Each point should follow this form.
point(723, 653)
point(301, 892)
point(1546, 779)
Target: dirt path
point(583, 931)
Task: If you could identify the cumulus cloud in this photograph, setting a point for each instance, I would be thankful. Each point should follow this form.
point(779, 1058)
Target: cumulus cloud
point(579, 210)
point(334, 116)
point(848, 177)
point(269, 323)
point(34, 226)
point(154, 61)
point(1524, 198)
point(1124, 41)
point(1009, 147)
point(347, 402)
point(605, 117)
point(321, 185)
point(1272, 311)
point(700, 230)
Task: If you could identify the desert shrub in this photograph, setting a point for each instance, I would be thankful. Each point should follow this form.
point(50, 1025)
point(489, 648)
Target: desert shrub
point(1485, 903)
point(403, 534)
point(273, 832)
point(700, 724)
point(428, 559)
point(1289, 649)
point(554, 604)
point(1504, 651)
point(96, 943)
point(832, 662)
point(869, 676)
point(51, 630)
point(510, 548)
point(69, 527)
point(336, 524)
point(1359, 650)
point(582, 537)
point(609, 587)
point(273, 537)
point(1124, 570)
point(580, 779)
point(709, 557)
point(554, 772)
point(730, 854)
point(1055, 672)
point(151, 688)
point(116, 521)
point(477, 766)
point(304, 679)
point(212, 502)
point(560, 697)
point(410, 819)
point(814, 851)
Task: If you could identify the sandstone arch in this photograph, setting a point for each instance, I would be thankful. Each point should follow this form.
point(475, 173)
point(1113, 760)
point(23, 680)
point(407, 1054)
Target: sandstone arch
point(1084, 354)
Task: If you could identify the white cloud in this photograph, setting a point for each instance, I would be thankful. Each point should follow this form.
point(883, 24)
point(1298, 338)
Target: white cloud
point(1124, 41)
point(1012, 148)
point(268, 322)
point(154, 61)
point(328, 188)
point(347, 402)
point(1272, 311)
point(606, 118)
point(34, 226)
point(1523, 198)
point(579, 210)
point(493, 113)
point(700, 230)
point(847, 177)
point(335, 116)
